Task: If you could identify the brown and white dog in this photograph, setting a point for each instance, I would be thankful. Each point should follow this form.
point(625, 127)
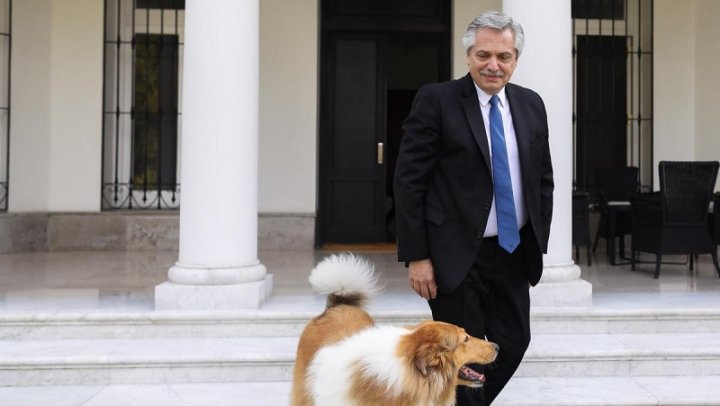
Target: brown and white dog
point(344, 359)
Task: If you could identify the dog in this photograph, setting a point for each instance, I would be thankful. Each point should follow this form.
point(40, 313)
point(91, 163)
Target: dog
point(343, 358)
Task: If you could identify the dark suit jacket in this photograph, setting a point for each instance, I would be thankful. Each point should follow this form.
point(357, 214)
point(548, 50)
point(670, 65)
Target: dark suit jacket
point(443, 179)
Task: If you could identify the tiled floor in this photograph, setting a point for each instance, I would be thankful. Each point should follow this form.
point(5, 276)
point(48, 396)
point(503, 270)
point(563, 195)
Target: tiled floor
point(108, 281)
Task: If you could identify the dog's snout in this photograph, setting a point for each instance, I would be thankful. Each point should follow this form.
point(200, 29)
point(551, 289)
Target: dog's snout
point(497, 347)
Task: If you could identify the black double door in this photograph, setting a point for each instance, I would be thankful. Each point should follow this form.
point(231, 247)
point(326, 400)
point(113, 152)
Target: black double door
point(371, 68)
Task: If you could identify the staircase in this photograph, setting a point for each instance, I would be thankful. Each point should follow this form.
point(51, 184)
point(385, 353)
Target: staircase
point(586, 356)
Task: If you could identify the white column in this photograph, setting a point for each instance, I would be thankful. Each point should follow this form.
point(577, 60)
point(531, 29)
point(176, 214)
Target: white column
point(546, 67)
point(217, 266)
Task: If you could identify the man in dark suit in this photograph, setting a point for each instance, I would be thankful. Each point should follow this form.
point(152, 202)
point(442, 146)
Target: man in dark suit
point(473, 189)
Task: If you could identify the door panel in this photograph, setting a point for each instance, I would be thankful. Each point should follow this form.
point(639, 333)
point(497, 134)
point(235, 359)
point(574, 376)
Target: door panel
point(353, 203)
point(355, 126)
point(602, 119)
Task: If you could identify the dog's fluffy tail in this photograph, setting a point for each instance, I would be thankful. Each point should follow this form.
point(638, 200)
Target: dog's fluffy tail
point(346, 279)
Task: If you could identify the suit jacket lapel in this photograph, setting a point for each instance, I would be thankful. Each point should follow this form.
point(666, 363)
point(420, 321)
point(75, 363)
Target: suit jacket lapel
point(471, 105)
point(522, 134)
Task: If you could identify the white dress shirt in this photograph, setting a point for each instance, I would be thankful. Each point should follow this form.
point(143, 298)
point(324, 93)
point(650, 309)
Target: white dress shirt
point(513, 158)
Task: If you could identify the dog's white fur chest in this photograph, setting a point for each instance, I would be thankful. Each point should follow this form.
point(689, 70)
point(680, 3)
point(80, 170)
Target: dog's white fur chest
point(375, 350)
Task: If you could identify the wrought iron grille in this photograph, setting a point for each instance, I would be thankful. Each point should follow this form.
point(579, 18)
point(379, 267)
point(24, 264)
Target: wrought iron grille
point(5, 48)
point(613, 87)
point(141, 99)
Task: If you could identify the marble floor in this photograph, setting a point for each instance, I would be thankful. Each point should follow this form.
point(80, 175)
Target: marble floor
point(125, 281)
point(88, 282)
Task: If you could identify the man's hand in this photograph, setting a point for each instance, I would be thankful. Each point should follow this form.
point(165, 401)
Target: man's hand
point(422, 278)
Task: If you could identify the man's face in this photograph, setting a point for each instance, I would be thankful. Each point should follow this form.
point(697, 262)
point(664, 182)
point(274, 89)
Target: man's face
point(492, 59)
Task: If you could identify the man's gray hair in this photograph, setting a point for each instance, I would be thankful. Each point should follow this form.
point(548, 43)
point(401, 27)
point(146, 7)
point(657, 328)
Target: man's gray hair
point(498, 21)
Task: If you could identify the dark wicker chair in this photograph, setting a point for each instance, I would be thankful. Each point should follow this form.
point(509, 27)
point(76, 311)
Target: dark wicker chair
point(615, 183)
point(674, 221)
point(581, 224)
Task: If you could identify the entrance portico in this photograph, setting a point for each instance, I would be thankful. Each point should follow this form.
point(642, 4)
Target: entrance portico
point(217, 266)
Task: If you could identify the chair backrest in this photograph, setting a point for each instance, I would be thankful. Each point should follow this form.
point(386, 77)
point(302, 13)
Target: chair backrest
point(686, 189)
point(617, 183)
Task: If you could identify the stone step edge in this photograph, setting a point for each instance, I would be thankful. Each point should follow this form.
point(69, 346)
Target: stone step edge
point(520, 391)
point(289, 359)
point(35, 354)
point(145, 325)
point(294, 316)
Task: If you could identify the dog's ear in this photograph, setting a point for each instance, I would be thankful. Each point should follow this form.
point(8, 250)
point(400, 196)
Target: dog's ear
point(449, 342)
point(433, 351)
point(427, 358)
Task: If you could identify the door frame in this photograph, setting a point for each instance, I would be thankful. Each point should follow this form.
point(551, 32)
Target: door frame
point(373, 23)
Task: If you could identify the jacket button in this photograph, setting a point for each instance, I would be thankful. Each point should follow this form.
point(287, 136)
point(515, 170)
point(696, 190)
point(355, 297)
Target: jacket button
point(479, 234)
point(487, 206)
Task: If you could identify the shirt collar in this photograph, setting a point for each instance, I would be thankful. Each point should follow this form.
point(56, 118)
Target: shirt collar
point(485, 98)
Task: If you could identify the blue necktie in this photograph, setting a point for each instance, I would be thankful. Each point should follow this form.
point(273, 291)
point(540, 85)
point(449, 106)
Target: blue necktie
point(508, 235)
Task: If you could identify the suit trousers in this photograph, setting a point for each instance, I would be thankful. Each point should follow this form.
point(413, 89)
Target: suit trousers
point(492, 302)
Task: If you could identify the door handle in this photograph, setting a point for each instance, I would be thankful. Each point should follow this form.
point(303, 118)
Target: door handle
point(380, 153)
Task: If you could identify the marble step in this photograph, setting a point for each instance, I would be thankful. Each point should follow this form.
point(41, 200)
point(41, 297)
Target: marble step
point(622, 354)
point(281, 322)
point(263, 359)
point(545, 391)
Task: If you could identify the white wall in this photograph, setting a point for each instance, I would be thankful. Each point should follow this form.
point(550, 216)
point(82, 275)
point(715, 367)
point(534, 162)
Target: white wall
point(465, 11)
point(707, 82)
point(56, 106)
point(674, 95)
point(30, 106)
point(289, 38)
point(76, 100)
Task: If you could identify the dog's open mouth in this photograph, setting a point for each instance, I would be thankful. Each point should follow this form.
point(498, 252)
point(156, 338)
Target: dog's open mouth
point(468, 374)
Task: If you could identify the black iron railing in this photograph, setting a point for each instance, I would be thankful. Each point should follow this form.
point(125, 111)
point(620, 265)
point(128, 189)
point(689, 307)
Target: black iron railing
point(5, 54)
point(141, 99)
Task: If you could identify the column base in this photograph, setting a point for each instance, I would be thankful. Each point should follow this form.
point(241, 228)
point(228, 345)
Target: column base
point(249, 295)
point(577, 293)
point(216, 275)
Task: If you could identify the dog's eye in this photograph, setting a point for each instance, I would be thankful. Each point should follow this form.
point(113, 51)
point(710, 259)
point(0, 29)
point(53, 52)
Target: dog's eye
point(467, 338)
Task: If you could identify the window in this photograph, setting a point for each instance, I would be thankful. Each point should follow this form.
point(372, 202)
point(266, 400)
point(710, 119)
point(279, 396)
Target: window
point(155, 127)
point(142, 93)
